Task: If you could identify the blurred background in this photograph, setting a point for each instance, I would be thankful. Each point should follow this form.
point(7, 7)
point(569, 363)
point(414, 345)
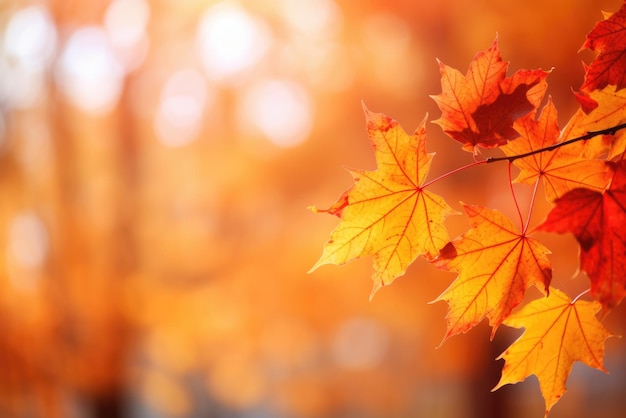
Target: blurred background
point(156, 162)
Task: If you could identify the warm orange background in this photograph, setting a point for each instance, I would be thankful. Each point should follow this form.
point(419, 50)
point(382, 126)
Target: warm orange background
point(156, 162)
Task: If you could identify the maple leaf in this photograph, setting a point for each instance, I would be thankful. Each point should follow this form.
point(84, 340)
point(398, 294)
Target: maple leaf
point(608, 39)
point(608, 109)
point(558, 333)
point(603, 108)
point(618, 146)
point(562, 169)
point(496, 264)
point(479, 109)
point(597, 220)
point(388, 214)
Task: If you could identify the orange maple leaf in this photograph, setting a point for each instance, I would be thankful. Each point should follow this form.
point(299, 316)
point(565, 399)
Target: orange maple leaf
point(496, 264)
point(562, 169)
point(558, 333)
point(479, 109)
point(598, 221)
point(388, 214)
point(608, 38)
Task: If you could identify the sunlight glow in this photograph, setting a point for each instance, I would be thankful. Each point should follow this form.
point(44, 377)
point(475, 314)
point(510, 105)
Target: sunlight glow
point(280, 109)
point(179, 116)
point(231, 41)
point(88, 71)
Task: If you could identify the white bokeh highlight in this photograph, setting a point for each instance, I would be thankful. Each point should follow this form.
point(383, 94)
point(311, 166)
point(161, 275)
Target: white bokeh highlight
point(231, 41)
point(279, 109)
point(125, 23)
point(178, 119)
point(29, 45)
point(88, 71)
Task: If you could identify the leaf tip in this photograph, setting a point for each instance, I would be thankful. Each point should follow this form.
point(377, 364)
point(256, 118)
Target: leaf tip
point(377, 122)
point(494, 44)
point(312, 269)
point(494, 328)
point(587, 104)
point(365, 109)
point(441, 343)
point(547, 279)
point(498, 386)
point(378, 284)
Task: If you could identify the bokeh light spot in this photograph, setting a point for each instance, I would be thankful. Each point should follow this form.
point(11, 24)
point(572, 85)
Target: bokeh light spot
point(27, 249)
point(182, 105)
point(88, 72)
point(30, 38)
point(359, 343)
point(125, 22)
point(28, 240)
point(231, 41)
point(29, 45)
point(279, 109)
point(314, 18)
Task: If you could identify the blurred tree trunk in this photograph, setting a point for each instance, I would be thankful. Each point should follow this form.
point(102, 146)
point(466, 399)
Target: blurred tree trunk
point(94, 261)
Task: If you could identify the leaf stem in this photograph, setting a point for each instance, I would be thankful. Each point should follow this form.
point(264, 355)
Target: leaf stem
point(581, 294)
point(591, 134)
point(519, 212)
point(532, 204)
point(456, 170)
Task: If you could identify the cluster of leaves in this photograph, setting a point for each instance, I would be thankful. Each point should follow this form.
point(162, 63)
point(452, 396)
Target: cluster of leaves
point(391, 215)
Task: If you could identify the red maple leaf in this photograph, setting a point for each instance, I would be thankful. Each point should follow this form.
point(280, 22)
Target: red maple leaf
point(479, 108)
point(608, 39)
point(598, 221)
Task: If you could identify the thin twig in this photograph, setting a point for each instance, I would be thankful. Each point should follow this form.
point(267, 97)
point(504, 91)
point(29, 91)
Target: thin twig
point(609, 131)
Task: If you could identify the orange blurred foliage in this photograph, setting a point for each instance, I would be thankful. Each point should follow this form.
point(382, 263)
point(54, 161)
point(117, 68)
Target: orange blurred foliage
point(156, 162)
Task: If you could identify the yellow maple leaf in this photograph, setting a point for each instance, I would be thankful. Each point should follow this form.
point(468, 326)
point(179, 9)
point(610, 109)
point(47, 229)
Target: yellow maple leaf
point(496, 264)
point(558, 333)
point(388, 214)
